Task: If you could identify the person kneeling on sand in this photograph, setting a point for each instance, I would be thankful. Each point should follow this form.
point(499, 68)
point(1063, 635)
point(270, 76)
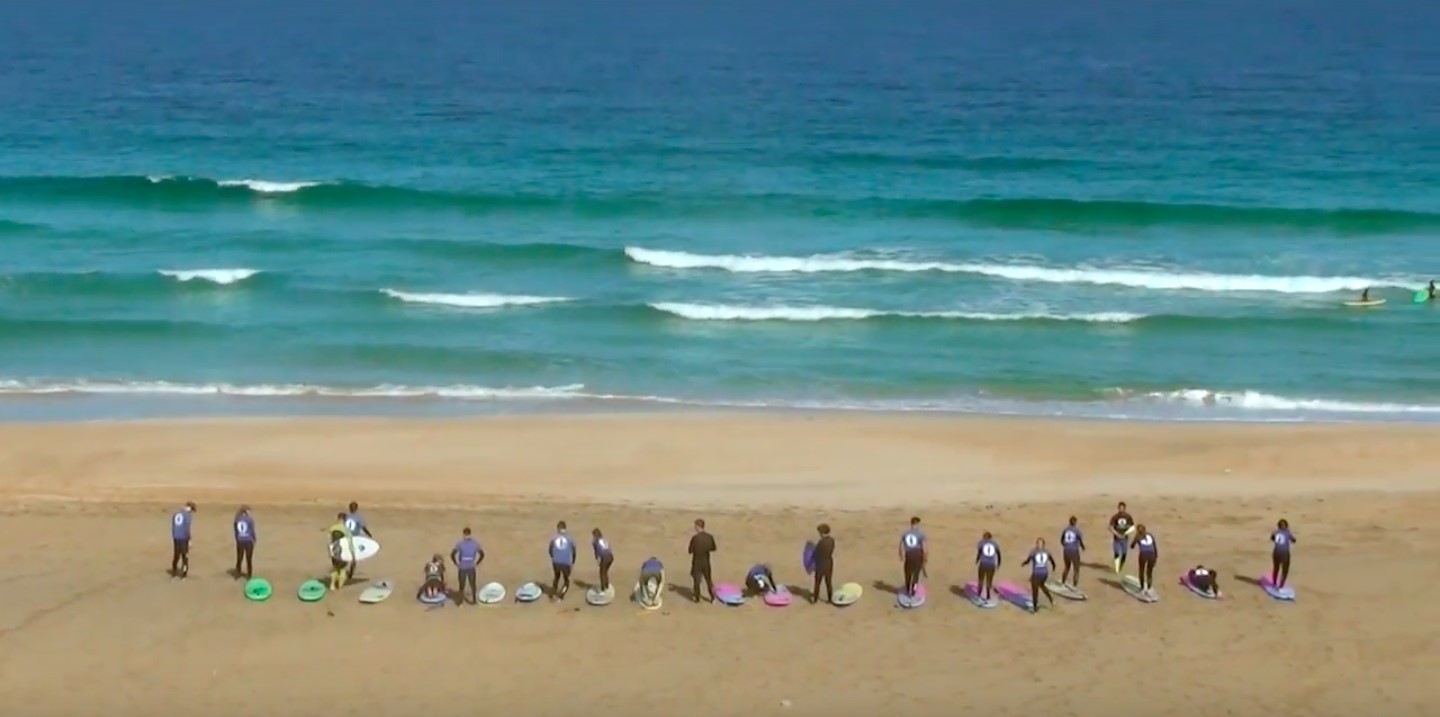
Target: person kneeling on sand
point(760, 580)
point(1204, 579)
point(652, 580)
point(434, 585)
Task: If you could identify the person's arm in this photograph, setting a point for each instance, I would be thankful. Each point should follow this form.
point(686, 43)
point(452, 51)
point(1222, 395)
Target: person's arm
point(693, 538)
point(1136, 542)
point(1028, 559)
point(978, 552)
point(1080, 539)
point(455, 556)
point(998, 558)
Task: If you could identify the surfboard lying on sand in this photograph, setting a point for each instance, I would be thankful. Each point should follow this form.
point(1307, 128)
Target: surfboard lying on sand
point(779, 598)
point(729, 594)
point(1066, 590)
point(376, 592)
point(599, 598)
point(847, 595)
point(1015, 595)
point(311, 591)
point(972, 593)
point(490, 594)
point(1132, 588)
point(529, 592)
point(908, 601)
point(1285, 594)
point(433, 600)
point(258, 589)
point(649, 595)
point(1185, 580)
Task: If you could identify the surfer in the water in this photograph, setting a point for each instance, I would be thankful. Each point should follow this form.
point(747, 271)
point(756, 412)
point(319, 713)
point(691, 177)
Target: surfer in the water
point(760, 580)
point(1204, 579)
point(1149, 553)
point(987, 561)
point(244, 542)
point(340, 568)
point(1365, 295)
point(1120, 534)
point(652, 578)
point(180, 534)
point(355, 523)
point(604, 556)
point(914, 555)
point(1281, 539)
point(702, 544)
point(1039, 561)
point(824, 560)
point(1430, 290)
point(1072, 542)
point(467, 555)
point(434, 585)
point(562, 561)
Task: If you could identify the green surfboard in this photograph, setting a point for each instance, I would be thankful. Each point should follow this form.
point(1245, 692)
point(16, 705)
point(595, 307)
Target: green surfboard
point(1421, 296)
point(312, 591)
point(257, 589)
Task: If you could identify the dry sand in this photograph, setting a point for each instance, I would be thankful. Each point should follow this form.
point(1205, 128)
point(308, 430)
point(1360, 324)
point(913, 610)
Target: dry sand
point(91, 623)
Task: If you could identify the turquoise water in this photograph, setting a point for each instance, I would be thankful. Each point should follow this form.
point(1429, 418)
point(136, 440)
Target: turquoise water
point(1116, 209)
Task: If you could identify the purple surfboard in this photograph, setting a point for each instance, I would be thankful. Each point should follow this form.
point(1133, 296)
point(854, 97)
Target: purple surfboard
point(972, 592)
point(807, 557)
point(729, 594)
point(1014, 594)
point(1285, 594)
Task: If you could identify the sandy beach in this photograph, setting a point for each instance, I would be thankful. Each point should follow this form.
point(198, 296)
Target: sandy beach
point(92, 622)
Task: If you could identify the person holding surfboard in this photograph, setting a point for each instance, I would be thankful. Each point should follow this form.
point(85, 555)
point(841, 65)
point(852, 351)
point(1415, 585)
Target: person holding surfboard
point(824, 561)
point(562, 561)
point(914, 555)
point(1204, 579)
point(1039, 561)
point(1282, 539)
point(702, 544)
point(604, 556)
point(355, 524)
point(987, 561)
point(340, 539)
point(467, 555)
point(1120, 525)
point(180, 536)
point(1149, 554)
point(244, 542)
point(1072, 543)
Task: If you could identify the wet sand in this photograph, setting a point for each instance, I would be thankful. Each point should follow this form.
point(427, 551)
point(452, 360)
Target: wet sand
point(93, 622)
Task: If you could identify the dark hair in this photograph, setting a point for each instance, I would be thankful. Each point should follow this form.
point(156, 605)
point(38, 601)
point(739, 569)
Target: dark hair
point(340, 516)
point(700, 523)
point(987, 536)
point(560, 525)
point(596, 532)
point(465, 531)
point(915, 521)
point(1283, 524)
point(1121, 505)
point(1073, 520)
point(354, 506)
point(824, 528)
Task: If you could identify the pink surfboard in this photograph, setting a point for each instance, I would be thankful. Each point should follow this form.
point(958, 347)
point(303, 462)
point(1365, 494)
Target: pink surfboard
point(1014, 594)
point(972, 592)
point(1185, 580)
point(729, 594)
point(780, 598)
point(1285, 594)
point(911, 601)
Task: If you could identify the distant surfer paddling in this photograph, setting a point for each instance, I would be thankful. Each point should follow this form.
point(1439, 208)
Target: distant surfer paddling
point(760, 580)
point(914, 555)
point(1281, 541)
point(987, 561)
point(824, 562)
point(1149, 555)
point(604, 556)
point(1204, 579)
point(467, 556)
point(434, 586)
point(562, 561)
point(244, 542)
point(1040, 562)
point(341, 539)
point(1072, 543)
point(1120, 524)
point(180, 537)
point(356, 525)
point(702, 545)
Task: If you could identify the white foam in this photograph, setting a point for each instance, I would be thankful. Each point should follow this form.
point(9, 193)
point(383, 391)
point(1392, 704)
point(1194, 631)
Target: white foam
point(1146, 279)
point(720, 312)
point(262, 186)
point(472, 301)
point(1257, 401)
point(166, 388)
point(214, 276)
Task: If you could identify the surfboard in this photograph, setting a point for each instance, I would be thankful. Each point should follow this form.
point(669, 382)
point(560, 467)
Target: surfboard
point(1421, 296)
point(1366, 304)
point(490, 594)
point(1185, 580)
point(365, 548)
point(910, 602)
point(1285, 594)
point(312, 591)
point(779, 598)
point(1132, 588)
point(529, 592)
point(649, 595)
point(1067, 591)
point(257, 589)
point(847, 595)
point(729, 594)
point(972, 593)
point(599, 598)
point(807, 557)
point(432, 600)
point(376, 592)
point(1015, 595)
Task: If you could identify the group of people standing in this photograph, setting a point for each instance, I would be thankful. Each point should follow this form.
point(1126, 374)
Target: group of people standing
point(914, 556)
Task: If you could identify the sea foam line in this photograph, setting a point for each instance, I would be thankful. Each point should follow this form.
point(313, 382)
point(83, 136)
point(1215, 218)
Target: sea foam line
point(472, 301)
point(1257, 401)
point(1158, 280)
point(721, 312)
point(214, 276)
point(167, 388)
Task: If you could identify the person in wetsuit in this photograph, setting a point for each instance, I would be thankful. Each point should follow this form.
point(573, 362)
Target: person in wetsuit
point(824, 560)
point(760, 580)
point(355, 524)
point(434, 585)
point(1040, 562)
point(604, 556)
point(702, 545)
point(180, 537)
point(1281, 541)
point(340, 569)
point(1072, 542)
point(987, 561)
point(914, 555)
point(467, 555)
point(244, 542)
point(1149, 554)
point(1204, 579)
point(1120, 524)
point(652, 579)
point(562, 561)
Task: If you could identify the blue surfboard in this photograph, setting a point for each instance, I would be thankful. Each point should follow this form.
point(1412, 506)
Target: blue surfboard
point(807, 557)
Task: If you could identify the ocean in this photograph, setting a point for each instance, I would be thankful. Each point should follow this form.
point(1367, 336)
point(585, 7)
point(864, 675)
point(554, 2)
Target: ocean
point(1122, 208)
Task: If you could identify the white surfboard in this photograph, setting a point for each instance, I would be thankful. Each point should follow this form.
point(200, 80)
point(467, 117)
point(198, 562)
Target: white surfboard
point(376, 592)
point(651, 598)
point(597, 597)
point(490, 594)
point(1132, 588)
point(365, 548)
point(529, 592)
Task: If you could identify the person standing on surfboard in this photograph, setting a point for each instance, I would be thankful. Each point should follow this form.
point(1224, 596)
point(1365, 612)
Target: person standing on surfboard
point(1120, 524)
point(914, 555)
point(244, 542)
point(604, 556)
point(467, 555)
point(180, 535)
point(1072, 542)
point(824, 561)
point(1039, 561)
point(702, 544)
point(562, 561)
point(987, 561)
point(1149, 554)
point(355, 523)
point(1282, 539)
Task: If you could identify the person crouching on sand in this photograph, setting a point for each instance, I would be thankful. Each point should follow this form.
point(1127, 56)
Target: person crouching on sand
point(652, 580)
point(1204, 579)
point(434, 585)
point(760, 581)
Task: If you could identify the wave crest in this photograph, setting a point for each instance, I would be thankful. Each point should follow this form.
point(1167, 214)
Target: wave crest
point(721, 312)
point(223, 277)
point(472, 301)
